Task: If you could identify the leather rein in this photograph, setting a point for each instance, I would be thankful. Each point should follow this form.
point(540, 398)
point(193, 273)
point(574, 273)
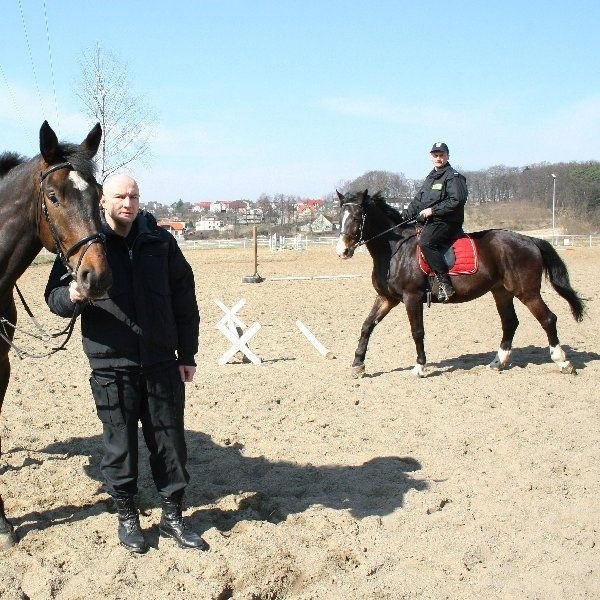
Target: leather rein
point(360, 241)
point(64, 256)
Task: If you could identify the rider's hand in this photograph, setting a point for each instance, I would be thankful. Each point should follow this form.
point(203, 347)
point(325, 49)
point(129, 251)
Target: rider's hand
point(426, 213)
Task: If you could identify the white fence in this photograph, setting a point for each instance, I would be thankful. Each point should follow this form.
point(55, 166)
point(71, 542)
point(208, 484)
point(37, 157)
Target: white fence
point(273, 242)
point(573, 240)
point(302, 242)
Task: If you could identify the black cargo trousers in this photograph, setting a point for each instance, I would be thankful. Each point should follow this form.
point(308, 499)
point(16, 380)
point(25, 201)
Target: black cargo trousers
point(156, 398)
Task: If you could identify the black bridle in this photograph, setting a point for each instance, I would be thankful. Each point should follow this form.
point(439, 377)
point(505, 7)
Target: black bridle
point(359, 241)
point(64, 256)
point(86, 242)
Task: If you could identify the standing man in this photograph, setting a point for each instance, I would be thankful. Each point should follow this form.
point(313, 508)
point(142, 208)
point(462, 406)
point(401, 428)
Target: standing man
point(140, 340)
point(441, 202)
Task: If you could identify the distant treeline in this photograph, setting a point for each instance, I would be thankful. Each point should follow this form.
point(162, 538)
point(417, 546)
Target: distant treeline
point(577, 192)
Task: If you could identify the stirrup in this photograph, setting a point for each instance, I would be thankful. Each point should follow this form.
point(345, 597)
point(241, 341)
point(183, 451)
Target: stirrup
point(445, 292)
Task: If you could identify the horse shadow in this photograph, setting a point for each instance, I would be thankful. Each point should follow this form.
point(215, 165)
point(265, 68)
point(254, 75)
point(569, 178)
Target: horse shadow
point(258, 489)
point(520, 357)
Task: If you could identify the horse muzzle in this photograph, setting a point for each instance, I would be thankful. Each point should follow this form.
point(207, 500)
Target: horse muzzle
point(343, 250)
point(94, 282)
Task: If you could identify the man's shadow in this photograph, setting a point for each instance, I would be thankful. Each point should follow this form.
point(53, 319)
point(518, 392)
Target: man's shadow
point(259, 489)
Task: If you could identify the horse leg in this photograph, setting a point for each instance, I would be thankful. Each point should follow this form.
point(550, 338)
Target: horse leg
point(508, 317)
point(7, 535)
point(547, 320)
point(414, 311)
point(381, 307)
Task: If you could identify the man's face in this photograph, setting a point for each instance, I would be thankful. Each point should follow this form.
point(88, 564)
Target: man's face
point(121, 201)
point(439, 159)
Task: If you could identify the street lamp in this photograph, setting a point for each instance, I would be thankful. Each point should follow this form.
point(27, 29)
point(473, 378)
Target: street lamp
point(553, 208)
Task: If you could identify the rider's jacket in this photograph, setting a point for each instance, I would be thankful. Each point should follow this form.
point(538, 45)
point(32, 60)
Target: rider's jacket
point(150, 314)
point(445, 191)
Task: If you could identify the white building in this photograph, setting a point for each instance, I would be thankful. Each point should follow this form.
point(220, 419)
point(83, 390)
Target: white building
point(209, 224)
point(251, 216)
point(321, 225)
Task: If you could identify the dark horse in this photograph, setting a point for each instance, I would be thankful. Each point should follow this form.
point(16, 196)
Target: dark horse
point(52, 201)
point(510, 266)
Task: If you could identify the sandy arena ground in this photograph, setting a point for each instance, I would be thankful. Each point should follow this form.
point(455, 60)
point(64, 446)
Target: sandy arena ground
point(311, 485)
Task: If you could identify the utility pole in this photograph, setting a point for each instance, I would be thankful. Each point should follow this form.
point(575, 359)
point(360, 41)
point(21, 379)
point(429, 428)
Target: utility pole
point(553, 209)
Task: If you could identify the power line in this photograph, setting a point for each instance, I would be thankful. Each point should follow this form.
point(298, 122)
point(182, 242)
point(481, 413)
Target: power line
point(51, 63)
point(35, 79)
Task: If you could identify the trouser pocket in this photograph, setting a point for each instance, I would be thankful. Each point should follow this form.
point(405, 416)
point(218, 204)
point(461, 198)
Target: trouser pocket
point(107, 395)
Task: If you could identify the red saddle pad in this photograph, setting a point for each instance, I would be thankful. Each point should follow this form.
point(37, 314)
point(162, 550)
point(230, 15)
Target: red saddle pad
point(465, 252)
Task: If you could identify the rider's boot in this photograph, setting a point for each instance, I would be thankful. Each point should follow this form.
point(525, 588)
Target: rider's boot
point(446, 289)
point(130, 532)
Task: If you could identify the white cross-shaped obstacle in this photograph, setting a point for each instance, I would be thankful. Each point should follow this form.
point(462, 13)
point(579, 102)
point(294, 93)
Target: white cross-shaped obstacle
point(233, 328)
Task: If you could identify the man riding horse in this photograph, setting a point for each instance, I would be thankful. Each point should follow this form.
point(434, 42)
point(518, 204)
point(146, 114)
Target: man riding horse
point(440, 202)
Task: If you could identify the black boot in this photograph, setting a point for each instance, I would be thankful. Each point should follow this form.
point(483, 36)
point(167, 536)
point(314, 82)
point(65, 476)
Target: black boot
point(445, 289)
point(172, 525)
point(130, 532)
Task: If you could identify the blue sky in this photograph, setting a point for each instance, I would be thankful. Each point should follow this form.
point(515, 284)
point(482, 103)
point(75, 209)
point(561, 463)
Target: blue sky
point(295, 96)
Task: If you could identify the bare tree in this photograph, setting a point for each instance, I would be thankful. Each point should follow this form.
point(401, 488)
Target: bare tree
point(392, 185)
point(126, 118)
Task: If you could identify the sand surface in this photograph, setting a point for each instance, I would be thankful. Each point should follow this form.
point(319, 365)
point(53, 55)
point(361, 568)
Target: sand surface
point(309, 484)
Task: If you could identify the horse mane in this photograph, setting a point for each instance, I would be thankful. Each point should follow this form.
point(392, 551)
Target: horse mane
point(391, 212)
point(8, 161)
point(79, 158)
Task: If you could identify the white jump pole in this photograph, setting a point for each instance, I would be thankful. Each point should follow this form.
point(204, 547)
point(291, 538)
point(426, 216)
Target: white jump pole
point(308, 277)
point(314, 341)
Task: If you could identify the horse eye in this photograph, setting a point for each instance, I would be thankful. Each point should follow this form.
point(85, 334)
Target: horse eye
point(53, 197)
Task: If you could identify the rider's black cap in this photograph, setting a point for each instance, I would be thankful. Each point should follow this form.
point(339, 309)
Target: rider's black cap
point(440, 147)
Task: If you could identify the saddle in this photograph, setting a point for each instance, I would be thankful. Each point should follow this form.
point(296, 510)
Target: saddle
point(461, 257)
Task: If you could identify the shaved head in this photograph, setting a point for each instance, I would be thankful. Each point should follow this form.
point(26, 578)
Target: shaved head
point(118, 180)
point(121, 202)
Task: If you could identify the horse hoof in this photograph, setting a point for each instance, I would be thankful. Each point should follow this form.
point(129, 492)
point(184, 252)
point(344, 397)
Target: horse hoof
point(419, 371)
point(569, 369)
point(7, 539)
point(358, 371)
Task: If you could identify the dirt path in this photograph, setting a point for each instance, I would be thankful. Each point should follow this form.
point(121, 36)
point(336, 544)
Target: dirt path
point(311, 485)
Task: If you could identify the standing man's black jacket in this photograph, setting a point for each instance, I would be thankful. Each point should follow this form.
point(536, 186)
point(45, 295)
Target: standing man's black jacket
point(150, 314)
point(446, 192)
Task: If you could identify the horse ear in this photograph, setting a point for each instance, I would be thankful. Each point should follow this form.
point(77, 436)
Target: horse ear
point(92, 141)
point(49, 144)
point(340, 196)
point(365, 194)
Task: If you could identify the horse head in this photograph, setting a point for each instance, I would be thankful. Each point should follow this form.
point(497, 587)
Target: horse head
point(352, 222)
point(68, 212)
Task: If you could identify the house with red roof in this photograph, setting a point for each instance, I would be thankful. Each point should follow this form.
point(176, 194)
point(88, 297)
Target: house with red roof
point(175, 228)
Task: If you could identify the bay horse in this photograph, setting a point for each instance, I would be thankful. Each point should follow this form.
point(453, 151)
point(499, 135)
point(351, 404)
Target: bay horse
point(50, 201)
point(511, 266)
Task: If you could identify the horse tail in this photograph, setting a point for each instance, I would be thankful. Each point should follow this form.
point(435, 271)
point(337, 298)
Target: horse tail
point(556, 271)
